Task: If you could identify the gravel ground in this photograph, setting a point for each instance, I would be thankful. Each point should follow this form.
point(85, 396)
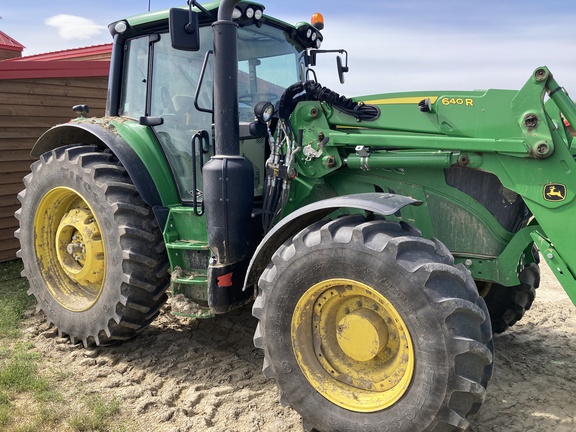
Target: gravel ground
point(189, 375)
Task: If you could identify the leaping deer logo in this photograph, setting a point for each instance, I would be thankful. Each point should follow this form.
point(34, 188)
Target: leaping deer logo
point(555, 192)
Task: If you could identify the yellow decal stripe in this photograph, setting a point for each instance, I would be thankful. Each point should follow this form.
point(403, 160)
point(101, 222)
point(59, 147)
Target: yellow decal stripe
point(401, 101)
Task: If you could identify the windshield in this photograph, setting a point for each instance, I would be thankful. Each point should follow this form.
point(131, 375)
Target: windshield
point(267, 65)
point(268, 62)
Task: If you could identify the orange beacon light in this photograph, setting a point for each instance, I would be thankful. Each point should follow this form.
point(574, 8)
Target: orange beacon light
point(318, 21)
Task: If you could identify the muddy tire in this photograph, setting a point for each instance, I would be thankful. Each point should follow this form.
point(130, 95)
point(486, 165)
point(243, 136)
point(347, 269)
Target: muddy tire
point(366, 326)
point(507, 305)
point(92, 249)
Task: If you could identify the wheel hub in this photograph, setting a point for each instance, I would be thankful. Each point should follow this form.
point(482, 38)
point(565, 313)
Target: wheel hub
point(70, 249)
point(362, 334)
point(352, 345)
point(79, 247)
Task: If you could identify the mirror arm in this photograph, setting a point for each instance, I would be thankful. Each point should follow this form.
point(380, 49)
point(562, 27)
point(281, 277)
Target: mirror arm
point(342, 69)
point(200, 7)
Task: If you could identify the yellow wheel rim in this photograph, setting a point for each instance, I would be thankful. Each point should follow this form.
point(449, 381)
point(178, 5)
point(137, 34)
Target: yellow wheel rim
point(70, 249)
point(352, 345)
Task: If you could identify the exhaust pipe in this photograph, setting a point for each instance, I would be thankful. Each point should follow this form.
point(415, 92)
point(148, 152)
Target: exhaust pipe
point(226, 82)
point(228, 177)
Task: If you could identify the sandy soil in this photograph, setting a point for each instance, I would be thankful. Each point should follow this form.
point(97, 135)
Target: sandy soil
point(182, 375)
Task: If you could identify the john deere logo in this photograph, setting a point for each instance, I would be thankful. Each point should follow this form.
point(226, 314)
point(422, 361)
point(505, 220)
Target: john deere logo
point(554, 192)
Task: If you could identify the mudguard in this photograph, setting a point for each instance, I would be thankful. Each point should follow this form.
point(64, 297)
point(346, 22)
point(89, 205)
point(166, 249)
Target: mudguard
point(384, 204)
point(92, 133)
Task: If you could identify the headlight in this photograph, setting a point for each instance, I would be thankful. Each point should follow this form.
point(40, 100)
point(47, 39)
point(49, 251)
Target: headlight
point(264, 111)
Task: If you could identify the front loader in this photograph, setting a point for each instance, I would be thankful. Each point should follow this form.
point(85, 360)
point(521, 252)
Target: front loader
point(382, 239)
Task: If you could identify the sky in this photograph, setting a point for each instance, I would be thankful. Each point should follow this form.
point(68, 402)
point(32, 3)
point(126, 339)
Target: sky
point(393, 45)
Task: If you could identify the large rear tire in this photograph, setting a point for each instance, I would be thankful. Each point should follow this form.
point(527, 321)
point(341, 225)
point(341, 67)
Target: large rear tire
point(367, 326)
point(92, 249)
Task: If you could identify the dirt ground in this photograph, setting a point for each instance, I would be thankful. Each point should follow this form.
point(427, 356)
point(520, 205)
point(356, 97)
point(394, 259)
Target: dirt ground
point(188, 375)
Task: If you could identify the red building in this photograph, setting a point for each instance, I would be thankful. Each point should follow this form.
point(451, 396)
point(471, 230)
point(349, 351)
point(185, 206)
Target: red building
point(9, 48)
point(36, 93)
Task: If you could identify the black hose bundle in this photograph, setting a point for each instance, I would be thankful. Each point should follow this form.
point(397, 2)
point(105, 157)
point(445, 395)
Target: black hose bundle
point(312, 91)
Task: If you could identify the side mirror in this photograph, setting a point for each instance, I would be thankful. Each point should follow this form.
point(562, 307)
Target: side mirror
point(184, 29)
point(310, 61)
point(342, 69)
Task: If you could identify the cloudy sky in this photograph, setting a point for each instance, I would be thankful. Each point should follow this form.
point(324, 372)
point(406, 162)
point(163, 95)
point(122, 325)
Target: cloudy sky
point(394, 45)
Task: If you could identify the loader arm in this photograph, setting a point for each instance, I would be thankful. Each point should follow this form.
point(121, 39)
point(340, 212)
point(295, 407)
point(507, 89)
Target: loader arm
point(547, 179)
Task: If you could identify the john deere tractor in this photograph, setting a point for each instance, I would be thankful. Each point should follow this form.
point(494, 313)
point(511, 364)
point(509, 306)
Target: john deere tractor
point(382, 238)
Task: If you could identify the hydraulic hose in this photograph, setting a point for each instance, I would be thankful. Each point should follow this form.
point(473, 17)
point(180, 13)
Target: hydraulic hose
point(313, 91)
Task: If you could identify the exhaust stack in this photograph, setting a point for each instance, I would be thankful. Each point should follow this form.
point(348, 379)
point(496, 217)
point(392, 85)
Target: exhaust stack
point(228, 177)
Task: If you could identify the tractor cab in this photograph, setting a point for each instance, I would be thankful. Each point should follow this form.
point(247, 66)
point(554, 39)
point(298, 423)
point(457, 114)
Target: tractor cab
point(164, 75)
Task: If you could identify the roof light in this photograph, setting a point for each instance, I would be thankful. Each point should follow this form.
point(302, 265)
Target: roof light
point(245, 13)
point(307, 35)
point(237, 13)
point(120, 27)
point(317, 21)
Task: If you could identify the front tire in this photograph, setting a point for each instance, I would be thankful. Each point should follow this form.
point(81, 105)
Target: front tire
point(92, 249)
point(365, 325)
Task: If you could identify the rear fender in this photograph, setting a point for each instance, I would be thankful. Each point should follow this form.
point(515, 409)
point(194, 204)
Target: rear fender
point(97, 134)
point(384, 204)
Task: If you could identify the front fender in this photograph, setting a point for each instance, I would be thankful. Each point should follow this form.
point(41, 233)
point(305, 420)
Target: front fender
point(384, 204)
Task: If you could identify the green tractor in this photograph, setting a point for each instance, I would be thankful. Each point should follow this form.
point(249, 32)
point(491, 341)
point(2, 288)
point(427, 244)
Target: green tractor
point(382, 238)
